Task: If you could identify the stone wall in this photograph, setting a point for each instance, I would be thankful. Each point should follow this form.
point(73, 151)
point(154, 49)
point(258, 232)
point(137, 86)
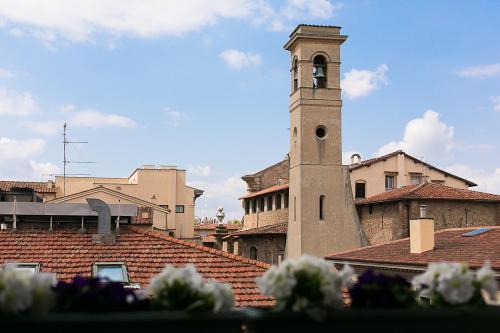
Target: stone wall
point(261, 219)
point(384, 222)
point(269, 247)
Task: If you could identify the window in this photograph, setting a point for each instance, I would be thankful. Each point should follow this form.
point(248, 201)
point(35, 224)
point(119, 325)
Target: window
point(321, 132)
point(278, 201)
point(321, 207)
point(261, 204)
point(254, 206)
point(319, 72)
point(370, 209)
point(360, 190)
point(286, 200)
point(114, 271)
point(270, 203)
point(253, 253)
point(179, 209)
point(247, 207)
point(28, 267)
point(415, 179)
point(295, 75)
point(389, 182)
point(295, 208)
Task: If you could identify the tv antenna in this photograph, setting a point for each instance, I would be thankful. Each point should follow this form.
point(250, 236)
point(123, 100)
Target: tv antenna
point(66, 161)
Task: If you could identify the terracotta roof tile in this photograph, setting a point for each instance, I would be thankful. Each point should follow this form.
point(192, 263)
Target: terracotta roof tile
point(450, 245)
point(429, 191)
point(271, 189)
point(40, 187)
point(145, 253)
point(278, 229)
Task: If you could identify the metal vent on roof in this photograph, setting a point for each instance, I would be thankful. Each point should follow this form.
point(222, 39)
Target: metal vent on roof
point(476, 232)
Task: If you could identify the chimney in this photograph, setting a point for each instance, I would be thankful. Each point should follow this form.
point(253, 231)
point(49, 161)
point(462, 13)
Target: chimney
point(355, 158)
point(104, 235)
point(422, 232)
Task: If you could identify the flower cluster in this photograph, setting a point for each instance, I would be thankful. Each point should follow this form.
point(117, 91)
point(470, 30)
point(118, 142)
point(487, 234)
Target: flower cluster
point(22, 291)
point(97, 295)
point(446, 284)
point(305, 283)
point(377, 290)
point(184, 289)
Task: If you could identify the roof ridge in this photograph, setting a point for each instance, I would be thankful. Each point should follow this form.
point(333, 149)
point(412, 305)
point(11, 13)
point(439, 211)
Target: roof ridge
point(244, 260)
point(408, 238)
point(100, 188)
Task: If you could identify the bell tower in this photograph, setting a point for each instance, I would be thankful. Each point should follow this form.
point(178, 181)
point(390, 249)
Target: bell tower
point(322, 217)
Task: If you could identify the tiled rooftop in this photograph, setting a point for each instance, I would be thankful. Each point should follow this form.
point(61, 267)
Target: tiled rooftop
point(429, 191)
point(450, 245)
point(278, 228)
point(145, 253)
point(41, 187)
point(265, 191)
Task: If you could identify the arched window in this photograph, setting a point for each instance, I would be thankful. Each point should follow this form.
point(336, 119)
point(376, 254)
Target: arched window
point(278, 201)
point(319, 72)
point(261, 204)
point(247, 207)
point(253, 253)
point(295, 75)
point(321, 207)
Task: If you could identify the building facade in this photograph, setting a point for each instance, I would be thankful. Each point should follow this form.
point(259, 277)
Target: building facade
point(395, 170)
point(386, 217)
point(160, 193)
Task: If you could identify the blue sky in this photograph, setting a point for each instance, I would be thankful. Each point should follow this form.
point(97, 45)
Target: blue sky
point(204, 85)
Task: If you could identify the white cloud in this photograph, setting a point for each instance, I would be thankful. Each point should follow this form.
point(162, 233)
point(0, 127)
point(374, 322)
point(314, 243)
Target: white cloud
point(16, 32)
point(42, 170)
point(358, 83)
point(79, 118)
point(200, 170)
point(17, 104)
point(320, 9)
point(6, 74)
point(496, 102)
point(238, 59)
point(223, 193)
point(426, 136)
point(20, 149)
point(81, 20)
point(487, 181)
point(17, 161)
point(67, 108)
point(49, 127)
point(95, 119)
point(480, 71)
point(174, 117)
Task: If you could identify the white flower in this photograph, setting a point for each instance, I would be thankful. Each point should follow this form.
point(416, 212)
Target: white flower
point(15, 290)
point(456, 285)
point(454, 282)
point(206, 291)
point(43, 294)
point(221, 293)
point(281, 281)
point(486, 277)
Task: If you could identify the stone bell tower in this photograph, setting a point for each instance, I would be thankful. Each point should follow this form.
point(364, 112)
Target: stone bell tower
point(322, 217)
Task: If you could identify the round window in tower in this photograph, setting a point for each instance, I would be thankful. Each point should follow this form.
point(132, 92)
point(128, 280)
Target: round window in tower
point(321, 132)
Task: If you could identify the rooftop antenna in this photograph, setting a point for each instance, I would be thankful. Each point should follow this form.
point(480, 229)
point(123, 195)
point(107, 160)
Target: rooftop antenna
point(65, 159)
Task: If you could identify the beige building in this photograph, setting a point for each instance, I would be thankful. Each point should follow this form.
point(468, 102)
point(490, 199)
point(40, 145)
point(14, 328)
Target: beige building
point(160, 191)
point(395, 170)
